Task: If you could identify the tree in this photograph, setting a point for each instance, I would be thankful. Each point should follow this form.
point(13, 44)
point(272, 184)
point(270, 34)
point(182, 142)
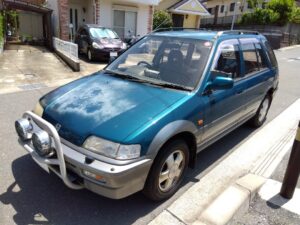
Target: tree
point(295, 15)
point(276, 12)
point(283, 7)
point(162, 19)
point(254, 3)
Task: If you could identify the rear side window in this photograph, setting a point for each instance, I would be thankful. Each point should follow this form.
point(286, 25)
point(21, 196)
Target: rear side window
point(250, 58)
point(262, 63)
point(271, 54)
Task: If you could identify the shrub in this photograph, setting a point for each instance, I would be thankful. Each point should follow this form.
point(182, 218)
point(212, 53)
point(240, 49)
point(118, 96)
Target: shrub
point(295, 15)
point(162, 19)
point(260, 17)
point(276, 12)
point(283, 7)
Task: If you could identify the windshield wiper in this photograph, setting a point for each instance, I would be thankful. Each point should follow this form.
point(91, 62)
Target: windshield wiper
point(174, 86)
point(136, 79)
point(122, 75)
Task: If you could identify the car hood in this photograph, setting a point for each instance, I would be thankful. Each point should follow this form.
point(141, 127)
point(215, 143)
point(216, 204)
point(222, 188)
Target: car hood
point(110, 42)
point(104, 106)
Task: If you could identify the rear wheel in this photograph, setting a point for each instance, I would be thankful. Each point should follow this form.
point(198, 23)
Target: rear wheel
point(167, 171)
point(261, 114)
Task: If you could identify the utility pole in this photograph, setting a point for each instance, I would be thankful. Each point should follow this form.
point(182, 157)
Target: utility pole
point(236, 3)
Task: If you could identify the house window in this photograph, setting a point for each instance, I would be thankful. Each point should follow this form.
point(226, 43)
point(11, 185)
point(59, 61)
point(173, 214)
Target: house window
point(232, 5)
point(222, 9)
point(125, 23)
point(250, 5)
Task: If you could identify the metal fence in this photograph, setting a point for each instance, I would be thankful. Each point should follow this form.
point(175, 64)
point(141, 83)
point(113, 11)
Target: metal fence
point(65, 47)
point(279, 36)
point(222, 20)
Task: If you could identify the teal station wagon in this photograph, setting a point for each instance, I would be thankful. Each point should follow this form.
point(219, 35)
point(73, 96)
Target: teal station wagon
point(139, 123)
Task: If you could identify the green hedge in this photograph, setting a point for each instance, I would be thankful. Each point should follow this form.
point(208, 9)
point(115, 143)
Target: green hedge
point(277, 12)
point(295, 15)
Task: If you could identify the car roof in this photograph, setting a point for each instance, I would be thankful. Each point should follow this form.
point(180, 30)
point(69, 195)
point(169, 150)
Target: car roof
point(208, 35)
point(193, 34)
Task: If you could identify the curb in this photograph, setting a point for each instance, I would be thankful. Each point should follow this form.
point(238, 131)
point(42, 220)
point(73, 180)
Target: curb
point(238, 195)
point(288, 48)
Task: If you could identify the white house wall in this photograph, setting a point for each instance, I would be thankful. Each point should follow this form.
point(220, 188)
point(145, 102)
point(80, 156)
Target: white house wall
point(52, 4)
point(106, 14)
point(214, 3)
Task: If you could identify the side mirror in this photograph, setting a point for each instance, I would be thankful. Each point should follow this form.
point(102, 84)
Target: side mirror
point(220, 83)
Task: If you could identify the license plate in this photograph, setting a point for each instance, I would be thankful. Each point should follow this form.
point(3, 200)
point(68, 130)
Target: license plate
point(42, 165)
point(113, 54)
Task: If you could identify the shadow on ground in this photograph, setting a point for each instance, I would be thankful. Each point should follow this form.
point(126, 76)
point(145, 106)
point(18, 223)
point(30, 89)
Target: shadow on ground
point(84, 58)
point(39, 198)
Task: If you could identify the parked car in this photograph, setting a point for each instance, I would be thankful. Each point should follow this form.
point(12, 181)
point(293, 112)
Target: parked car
point(139, 123)
point(98, 43)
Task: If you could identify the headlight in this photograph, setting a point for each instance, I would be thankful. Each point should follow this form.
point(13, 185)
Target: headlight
point(24, 129)
point(98, 46)
point(41, 142)
point(38, 109)
point(124, 46)
point(111, 149)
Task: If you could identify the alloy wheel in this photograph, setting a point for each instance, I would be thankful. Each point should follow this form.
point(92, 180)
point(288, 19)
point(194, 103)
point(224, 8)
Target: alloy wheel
point(171, 170)
point(263, 110)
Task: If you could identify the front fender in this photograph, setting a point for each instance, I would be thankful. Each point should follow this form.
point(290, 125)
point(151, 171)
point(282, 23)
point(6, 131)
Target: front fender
point(169, 131)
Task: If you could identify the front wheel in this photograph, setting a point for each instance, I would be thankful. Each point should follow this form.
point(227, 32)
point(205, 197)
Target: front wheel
point(90, 55)
point(261, 114)
point(167, 171)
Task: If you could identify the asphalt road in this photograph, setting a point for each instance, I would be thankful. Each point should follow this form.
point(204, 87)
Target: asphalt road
point(265, 212)
point(28, 195)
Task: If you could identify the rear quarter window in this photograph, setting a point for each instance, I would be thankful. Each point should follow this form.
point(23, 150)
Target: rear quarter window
point(250, 58)
point(271, 54)
point(261, 57)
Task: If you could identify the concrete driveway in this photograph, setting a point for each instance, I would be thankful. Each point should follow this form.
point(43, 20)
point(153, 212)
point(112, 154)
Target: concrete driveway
point(24, 67)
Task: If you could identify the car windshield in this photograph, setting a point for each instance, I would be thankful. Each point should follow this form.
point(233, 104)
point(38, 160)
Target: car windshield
point(103, 33)
point(164, 60)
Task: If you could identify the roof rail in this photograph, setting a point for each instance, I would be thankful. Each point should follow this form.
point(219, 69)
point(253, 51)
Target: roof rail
point(238, 32)
point(176, 29)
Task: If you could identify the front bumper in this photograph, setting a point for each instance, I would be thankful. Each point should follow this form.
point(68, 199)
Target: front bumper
point(105, 53)
point(117, 181)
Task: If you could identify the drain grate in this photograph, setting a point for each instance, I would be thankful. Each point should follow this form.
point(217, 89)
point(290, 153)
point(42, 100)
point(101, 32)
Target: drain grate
point(32, 86)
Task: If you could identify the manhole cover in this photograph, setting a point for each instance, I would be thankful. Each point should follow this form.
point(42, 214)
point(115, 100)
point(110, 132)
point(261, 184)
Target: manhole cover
point(32, 86)
point(29, 75)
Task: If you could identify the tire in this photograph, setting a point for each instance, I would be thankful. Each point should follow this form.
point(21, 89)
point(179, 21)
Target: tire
point(89, 55)
point(261, 114)
point(174, 158)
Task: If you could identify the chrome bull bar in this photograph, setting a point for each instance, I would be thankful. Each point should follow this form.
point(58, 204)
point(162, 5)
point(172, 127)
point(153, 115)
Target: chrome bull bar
point(50, 129)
